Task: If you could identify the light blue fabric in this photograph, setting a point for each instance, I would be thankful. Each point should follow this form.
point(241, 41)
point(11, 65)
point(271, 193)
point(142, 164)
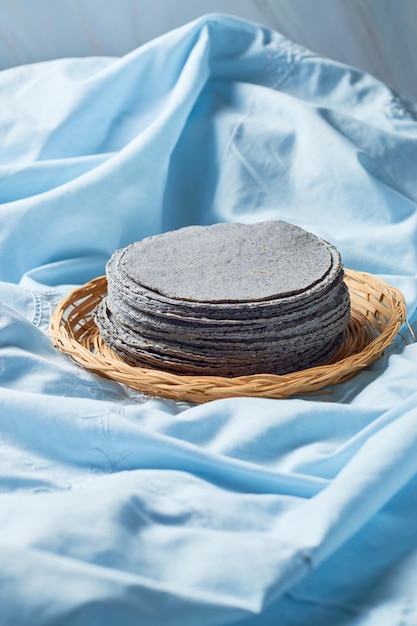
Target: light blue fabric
point(117, 509)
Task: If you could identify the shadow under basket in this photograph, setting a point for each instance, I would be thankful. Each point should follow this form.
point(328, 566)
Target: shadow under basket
point(377, 313)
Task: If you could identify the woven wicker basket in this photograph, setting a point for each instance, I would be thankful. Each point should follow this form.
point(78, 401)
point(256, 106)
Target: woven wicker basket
point(378, 311)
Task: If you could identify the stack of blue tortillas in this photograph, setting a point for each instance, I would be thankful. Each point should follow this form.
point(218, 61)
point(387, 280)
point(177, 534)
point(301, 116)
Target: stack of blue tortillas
point(228, 299)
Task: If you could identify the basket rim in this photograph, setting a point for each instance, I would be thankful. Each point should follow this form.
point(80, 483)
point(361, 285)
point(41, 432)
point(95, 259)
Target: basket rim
point(388, 315)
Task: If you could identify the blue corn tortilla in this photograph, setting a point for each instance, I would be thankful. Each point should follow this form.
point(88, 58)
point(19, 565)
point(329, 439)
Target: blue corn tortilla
point(229, 262)
point(227, 300)
point(121, 286)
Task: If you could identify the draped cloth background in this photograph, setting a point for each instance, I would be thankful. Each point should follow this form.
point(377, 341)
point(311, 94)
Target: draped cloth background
point(121, 509)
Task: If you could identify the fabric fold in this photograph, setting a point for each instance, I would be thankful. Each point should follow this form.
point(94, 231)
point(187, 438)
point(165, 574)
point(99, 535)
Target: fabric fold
point(120, 508)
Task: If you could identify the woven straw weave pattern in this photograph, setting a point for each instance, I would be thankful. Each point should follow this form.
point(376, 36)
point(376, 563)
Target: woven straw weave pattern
point(378, 312)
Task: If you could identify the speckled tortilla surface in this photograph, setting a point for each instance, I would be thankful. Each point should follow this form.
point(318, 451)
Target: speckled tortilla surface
point(228, 262)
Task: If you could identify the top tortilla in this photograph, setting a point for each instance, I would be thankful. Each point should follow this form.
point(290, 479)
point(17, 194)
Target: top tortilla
point(229, 262)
